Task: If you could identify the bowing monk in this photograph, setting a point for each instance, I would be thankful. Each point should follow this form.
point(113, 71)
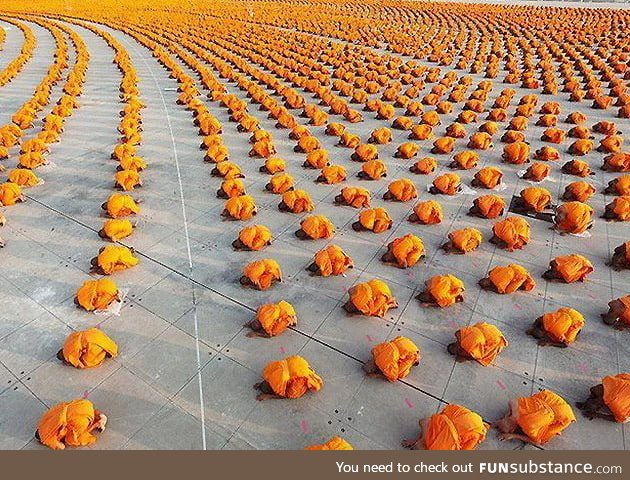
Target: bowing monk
point(424, 166)
point(511, 234)
point(487, 177)
point(296, 201)
point(127, 180)
point(609, 400)
point(332, 174)
point(573, 217)
point(315, 227)
point(372, 298)
point(335, 443)
point(253, 237)
point(536, 419)
point(227, 170)
point(70, 424)
point(463, 241)
point(87, 349)
point(23, 177)
point(442, 291)
point(619, 186)
point(240, 208)
point(317, 159)
point(119, 205)
point(356, 197)
point(427, 213)
point(272, 319)
point(578, 192)
point(618, 314)
point(465, 160)
point(112, 259)
point(280, 183)
point(516, 153)
point(487, 206)
point(581, 147)
point(364, 153)
point(393, 359)
point(10, 194)
point(407, 150)
point(97, 295)
point(532, 199)
point(443, 145)
point(273, 165)
point(401, 190)
point(480, 342)
point(446, 184)
point(331, 260)
point(372, 170)
point(621, 257)
point(404, 251)
point(618, 162)
point(537, 172)
point(579, 168)
point(288, 378)
point(568, 269)
point(559, 328)
point(617, 210)
point(375, 220)
point(261, 274)
point(116, 229)
point(508, 279)
point(454, 428)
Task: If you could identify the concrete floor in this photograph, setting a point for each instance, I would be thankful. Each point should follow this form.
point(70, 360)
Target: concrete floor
point(150, 392)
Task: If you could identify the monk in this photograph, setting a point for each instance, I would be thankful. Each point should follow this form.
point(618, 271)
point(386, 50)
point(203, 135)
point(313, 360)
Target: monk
point(569, 269)
point(227, 170)
point(446, 184)
point(96, 295)
point(618, 162)
point(465, 160)
point(381, 136)
point(617, 210)
point(112, 259)
point(335, 443)
point(407, 150)
point(10, 194)
point(443, 145)
point(253, 237)
point(296, 201)
point(610, 144)
point(427, 213)
point(559, 328)
point(356, 197)
point(516, 153)
point(261, 274)
point(365, 152)
point(421, 132)
point(119, 205)
point(315, 227)
point(547, 154)
point(127, 180)
point(619, 186)
point(442, 291)
point(240, 208)
point(511, 234)
point(537, 172)
point(375, 220)
point(573, 217)
point(579, 168)
point(288, 378)
point(116, 229)
point(480, 342)
point(23, 177)
point(424, 166)
point(621, 257)
point(70, 424)
point(331, 260)
point(609, 400)
point(272, 319)
point(372, 170)
point(536, 419)
point(401, 190)
point(372, 298)
point(532, 199)
point(273, 165)
point(463, 241)
point(280, 183)
point(332, 174)
point(508, 279)
point(581, 147)
point(487, 206)
point(578, 192)
point(87, 349)
point(404, 252)
point(317, 159)
point(618, 314)
point(454, 428)
point(393, 359)
point(487, 177)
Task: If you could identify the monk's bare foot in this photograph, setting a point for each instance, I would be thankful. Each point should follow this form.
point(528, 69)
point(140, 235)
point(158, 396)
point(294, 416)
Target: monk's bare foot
point(101, 421)
point(517, 436)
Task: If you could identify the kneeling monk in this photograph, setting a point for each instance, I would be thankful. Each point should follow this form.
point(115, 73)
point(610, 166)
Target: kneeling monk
point(427, 213)
point(331, 260)
point(618, 314)
point(375, 220)
point(393, 359)
point(95, 295)
point(372, 298)
point(480, 342)
point(618, 209)
point(404, 251)
point(559, 328)
point(508, 279)
point(356, 197)
point(609, 400)
point(288, 378)
point(443, 291)
point(573, 217)
point(315, 227)
point(114, 258)
point(70, 424)
point(87, 349)
point(621, 257)
point(272, 319)
point(463, 241)
point(254, 237)
point(569, 268)
point(487, 206)
point(261, 274)
point(510, 234)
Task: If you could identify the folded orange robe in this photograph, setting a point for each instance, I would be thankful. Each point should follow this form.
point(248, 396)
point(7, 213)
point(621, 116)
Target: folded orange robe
point(88, 348)
point(23, 177)
point(455, 428)
point(119, 205)
point(516, 153)
point(332, 260)
point(233, 187)
point(115, 258)
point(535, 199)
point(620, 185)
point(372, 298)
point(262, 273)
point(447, 183)
point(68, 424)
point(429, 212)
point(335, 443)
point(97, 294)
point(611, 144)
point(572, 268)
point(32, 160)
point(581, 147)
point(275, 318)
point(578, 168)
point(298, 201)
point(465, 240)
point(618, 162)
point(489, 177)
point(579, 191)
point(617, 395)
point(10, 194)
point(553, 135)
point(573, 217)
point(128, 179)
point(490, 206)
point(576, 118)
point(240, 208)
point(424, 166)
point(255, 237)
point(317, 227)
point(513, 231)
point(510, 278)
point(356, 197)
point(292, 377)
point(444, 289)
point(281, 183)
point(480, 141)
point(333, 174)
point(402, 190)
point(335, 129)
point(543, 416)
point(381, 136)
point(395, 358)
point(133, 163)
point(407, 250)
point(482, 342)
point(117, 228)
point(376, 220)
point(421, 132)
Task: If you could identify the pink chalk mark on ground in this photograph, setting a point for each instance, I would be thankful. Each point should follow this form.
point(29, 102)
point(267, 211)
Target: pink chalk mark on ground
point(282, 351)
point(501, 385)
point(304, 426)
point(369, 338)
point(86, 394)
point(518, 306)
point(409, 403)
point(582, 367)
point(451, 323)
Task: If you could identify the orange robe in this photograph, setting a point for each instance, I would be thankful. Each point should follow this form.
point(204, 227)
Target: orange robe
point(465, 160)
point(119, 205)
point(543, 416)
point(116, 229)
point(97, 294)
point(407, 250)
point(333, 174)
point(444, 289)
point(228, 170)
point(578, 168)
point(335, 443)
point(573, 217)
point(298, 201)
point(372, 298)
point(510, 278)
point(407, 150)
point(425, 166)
point(447, 183)
point(255, 237)
point(317, 227)
point(317, 159)
point(365, 152)
point(620, 207)
point(402, 190)
point(396, 357)
point(262, 273)
point(88, 348)
point(454, 428)
point(240, 208)
point(374, 169)
point(233, 187)
point(356, 197)
point(291, 377)
point(429, 212)
point(617, 395)
point(572, 268)
point(281, 183)
point(489, 177)
point(10, 194)
point(23, 177)
point(581, 147)
point(513, 231)
point(620, 185)
point(332, 260)
point(536, 199)
point(376, 220)
point(115, 258)
point(465, 240)
point(547, 154)
point(516, 153)
point(275, 318)
point(482, 342)
point(618, 162)
point(68, 424)
point(579, 191)
point(128, 179)
point(537, 172)
point(490, 206)
point(275, 165)
point(443, 145)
